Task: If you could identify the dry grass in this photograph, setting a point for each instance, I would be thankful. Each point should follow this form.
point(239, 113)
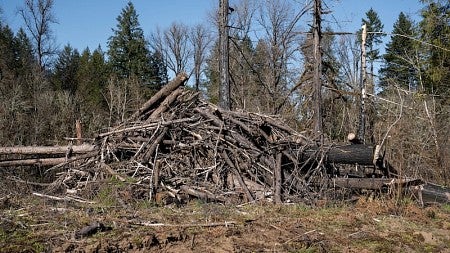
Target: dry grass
point(32, 224)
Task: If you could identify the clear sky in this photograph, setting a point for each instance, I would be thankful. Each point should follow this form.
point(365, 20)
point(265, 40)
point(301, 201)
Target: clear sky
point(85, 23)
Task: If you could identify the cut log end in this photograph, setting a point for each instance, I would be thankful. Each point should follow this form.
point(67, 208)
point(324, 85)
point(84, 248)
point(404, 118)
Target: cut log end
point(353, 139)
point(182, 76)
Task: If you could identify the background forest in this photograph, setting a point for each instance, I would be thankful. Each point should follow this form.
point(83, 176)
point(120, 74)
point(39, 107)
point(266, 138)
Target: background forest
point(44, 90)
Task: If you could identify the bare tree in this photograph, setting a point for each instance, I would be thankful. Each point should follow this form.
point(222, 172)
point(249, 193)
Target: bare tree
point(242, 19)
point(176, 42)
point(241, 53)
point(200, 38)
point(279, 22)
point(38, 17)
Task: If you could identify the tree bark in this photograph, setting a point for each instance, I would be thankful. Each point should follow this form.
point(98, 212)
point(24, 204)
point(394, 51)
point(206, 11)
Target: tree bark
point(373, 183)
point(161, 94)
point(46, 150)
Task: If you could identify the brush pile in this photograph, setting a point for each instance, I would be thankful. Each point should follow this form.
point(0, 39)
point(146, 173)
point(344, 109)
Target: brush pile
point(184, 147)
point(180, 144)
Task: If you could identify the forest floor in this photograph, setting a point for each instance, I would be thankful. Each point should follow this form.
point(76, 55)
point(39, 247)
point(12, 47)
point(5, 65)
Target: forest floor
point(30, 223)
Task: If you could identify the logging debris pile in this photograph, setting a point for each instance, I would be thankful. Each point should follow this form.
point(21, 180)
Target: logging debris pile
point(178, 144)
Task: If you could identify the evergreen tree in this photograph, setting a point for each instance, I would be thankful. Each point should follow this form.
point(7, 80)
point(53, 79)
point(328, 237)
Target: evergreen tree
point(24, 54)
point(435, 30)
point(66, 68)
point(92, 76)
point(7, 59)
point(159, 71)
point(128, 50)
point(398, 67)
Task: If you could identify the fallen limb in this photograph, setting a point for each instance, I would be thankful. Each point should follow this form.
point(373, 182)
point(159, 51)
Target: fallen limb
point(46, 150)
point(213, 224)
point(66, 198)
point(201, 194)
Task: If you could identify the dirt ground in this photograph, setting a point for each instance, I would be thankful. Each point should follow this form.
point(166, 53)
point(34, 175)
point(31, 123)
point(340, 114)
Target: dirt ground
point(31, 223)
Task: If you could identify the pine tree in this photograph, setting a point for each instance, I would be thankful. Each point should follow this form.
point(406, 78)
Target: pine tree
point(435, 70)
point(92, 76)
point(24, 54)
point(7, 59)
point(435, 30)
point(66, 68)
point(128, 50)
point(159, 71)
point(398, 67)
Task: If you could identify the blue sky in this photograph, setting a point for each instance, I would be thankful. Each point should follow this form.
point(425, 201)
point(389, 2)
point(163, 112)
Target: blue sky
point(85, 23)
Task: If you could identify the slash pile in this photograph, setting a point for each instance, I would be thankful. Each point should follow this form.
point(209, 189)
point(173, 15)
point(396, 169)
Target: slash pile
point(180, 144)
point(185, 147)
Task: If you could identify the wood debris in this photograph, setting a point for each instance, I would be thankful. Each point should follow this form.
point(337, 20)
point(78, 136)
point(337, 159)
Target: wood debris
point(182, 145)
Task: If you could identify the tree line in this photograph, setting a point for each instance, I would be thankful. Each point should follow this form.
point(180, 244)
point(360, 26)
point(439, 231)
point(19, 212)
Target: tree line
point(44, 90)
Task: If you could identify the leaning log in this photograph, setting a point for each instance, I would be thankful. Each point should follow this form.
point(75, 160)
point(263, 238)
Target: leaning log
point(160, 95)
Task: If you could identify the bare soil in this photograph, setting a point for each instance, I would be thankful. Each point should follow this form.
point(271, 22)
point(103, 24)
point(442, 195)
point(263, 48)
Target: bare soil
point(30, 223)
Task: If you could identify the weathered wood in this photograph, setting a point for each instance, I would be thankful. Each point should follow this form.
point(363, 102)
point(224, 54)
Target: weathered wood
point(165, 105)
point(351, 154)
point(372, 183)
point(201, 194)
point(46, 150)
point(433, 193)
point(59, 161)
point(31, 162)
point(78, 131)
point(277, 181)
point(161, 94)
point(237, 174)
point(148, 155)
point(352, 138)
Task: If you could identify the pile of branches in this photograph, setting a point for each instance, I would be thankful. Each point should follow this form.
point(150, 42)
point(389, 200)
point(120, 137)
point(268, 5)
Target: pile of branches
point(180, 144)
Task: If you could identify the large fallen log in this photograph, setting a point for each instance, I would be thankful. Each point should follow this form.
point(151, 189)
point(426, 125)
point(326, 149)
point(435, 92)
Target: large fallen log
point(359, 154)
point(432, 193)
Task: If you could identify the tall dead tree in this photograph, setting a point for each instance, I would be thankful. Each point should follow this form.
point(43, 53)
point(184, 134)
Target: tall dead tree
point(362, 88)
point(317, 34)
point(224, 89)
